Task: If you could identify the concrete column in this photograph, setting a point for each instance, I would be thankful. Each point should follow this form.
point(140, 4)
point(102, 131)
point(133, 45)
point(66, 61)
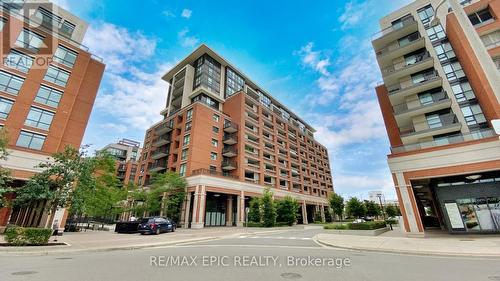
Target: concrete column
point(200, 214)
point(229, 211)
point(412, 225)
point(196, 209)
point(322, 209)
point(240, 209)
point(304, 213)
point(186, 210)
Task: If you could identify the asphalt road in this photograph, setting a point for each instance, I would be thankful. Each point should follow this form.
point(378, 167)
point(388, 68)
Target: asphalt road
point(272, 256)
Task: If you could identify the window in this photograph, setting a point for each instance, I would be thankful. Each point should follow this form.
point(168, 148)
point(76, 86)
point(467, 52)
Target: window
point(57, 76)
point(188, 126)
point(182, 170)
point(48, 96)
point(453, 71)
point(425, 14)
point(65, 56)
point(215, 117)
point(213, 156)
point(30, 140)
point(463, 92)
point(436, 33)
point(480, 17)
point(497, 62)
point(39, 118)
point(207, 73)
point(423, 76)
point(215, 129)
point(444, 51)
point(2, 23)
point(67, 28)
point(18, 61)
point(48, 18)
point(425, 98)
point(10, 83)
point(187, 140)
point(408, 39)
point(184, 154)
point(189, 114)
point(29, 40)
point(265, 100)
point(434, 121)
point(473, 114)
point(234, 82)
point(492, 39)
point(213, 168)
point(5, 107)
point(215, 142)
point(397, 24)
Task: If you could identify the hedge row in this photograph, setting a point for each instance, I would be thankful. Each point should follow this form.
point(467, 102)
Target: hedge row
point(258, 224)
point(23, 236)
point(370, 225)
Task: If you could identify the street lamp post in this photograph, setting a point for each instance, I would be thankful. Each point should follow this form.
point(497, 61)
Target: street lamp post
point(379, 195)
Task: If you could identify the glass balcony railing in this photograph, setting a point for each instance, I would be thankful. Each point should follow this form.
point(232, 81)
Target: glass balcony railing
point(476, 135)
point(418, 59)
point(382, 33)
point(443, 120)
point(435, 98)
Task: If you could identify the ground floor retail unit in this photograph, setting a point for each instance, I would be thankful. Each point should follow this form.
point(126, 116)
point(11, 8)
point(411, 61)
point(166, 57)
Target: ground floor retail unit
point(207, 206)
point(459, 204)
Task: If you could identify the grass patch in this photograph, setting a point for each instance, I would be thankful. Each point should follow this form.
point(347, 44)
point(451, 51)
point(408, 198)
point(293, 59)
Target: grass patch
point(370, 225)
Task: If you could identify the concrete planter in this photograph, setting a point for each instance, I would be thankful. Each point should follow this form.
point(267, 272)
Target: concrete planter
point(374, 232)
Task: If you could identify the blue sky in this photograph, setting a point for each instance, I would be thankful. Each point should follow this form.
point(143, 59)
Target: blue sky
point(315, 58)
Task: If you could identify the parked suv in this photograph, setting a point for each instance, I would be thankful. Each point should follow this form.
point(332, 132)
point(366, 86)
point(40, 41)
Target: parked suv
point(156, 225)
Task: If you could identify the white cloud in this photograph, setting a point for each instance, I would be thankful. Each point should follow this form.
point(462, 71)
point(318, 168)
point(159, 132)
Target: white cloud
point(186, 40)
point(62, 3)
point(314, 59)
point(186, 13)
point(353, 14)
point(119, 128)
point(168, 14)
point(136, 100)
point(350, 185)
point(118, 46)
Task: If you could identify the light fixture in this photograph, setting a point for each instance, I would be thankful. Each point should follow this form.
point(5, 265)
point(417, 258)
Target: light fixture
point(418, 186)
point(216, 195)
point(473, 177)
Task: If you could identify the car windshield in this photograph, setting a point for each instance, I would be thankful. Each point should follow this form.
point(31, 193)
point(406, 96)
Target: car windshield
point(145, 220)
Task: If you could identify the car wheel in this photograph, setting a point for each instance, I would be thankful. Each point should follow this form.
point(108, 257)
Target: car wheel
point(173, 228)
point(158, 231)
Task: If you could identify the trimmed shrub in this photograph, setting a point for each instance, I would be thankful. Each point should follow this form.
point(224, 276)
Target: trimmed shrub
point(317, 217)
point(254, 210)
point(335, 226)
point(286, 210)
point(391, 221)
point(23, 236)
point(369, 225)
point(268, 209)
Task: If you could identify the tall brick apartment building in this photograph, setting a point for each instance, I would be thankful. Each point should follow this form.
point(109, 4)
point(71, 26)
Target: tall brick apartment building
point(231, 139)
point(48, 84)
point(440, 97)
point(127, 153)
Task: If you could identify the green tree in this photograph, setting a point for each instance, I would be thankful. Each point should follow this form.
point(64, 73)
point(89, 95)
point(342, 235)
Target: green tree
point(355, 208)
point(286, 210)
point(164, 196)
point(5, 178)
point(391, 210)
point(372, 208)
point(268, 209)
point(328, 214)
point(55, 183)
point(254, 210)
point(337, 204)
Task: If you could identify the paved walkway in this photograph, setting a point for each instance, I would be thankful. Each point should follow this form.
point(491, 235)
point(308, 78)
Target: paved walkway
point(434, 244)
point(108, 240)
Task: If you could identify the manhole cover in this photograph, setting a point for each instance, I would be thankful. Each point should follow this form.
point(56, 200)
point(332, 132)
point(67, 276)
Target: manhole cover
point(291, 275)
point(64, 258)
point(24, 272)
point(494, 278)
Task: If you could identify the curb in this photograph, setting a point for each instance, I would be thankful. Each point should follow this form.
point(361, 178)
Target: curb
point(418, 253)
point(46, 252)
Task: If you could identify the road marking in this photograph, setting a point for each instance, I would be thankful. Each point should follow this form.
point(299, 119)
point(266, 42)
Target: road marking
point(275, 237)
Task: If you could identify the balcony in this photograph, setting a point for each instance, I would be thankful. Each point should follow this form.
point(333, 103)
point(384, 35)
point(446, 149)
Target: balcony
point(230, 139)
point(230, 127)
point(414, 107)
point(159, 153)
point(398, 92)
point(229, 165)
point(393, 73)
point(229, 152)
point(386, 55)
point(394, 32)
point(476, 135)
point(158, 166)
point(163, 128)
point(159, 141)
point(447, 123)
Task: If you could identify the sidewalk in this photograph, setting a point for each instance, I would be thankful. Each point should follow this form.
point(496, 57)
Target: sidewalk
point(444, 244)
point(109, 240)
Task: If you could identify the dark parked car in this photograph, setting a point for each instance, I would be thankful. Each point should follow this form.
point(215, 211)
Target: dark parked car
point(156, 225)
